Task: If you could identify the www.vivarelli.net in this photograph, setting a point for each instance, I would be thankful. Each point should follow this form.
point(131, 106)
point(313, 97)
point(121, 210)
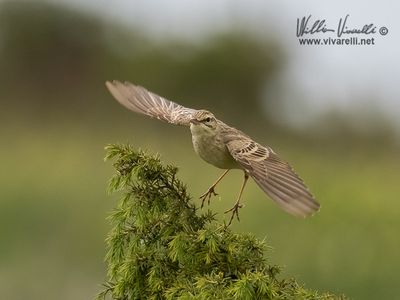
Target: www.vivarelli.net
point(320, 32)
point(337, 41)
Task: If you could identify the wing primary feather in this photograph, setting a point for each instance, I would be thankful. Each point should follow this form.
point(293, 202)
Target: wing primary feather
point(140, 100)
point(274, 175)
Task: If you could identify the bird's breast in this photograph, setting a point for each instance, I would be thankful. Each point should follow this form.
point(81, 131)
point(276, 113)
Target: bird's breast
point(213, 150)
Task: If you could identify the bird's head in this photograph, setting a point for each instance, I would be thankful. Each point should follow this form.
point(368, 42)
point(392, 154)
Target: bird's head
point(203, 121)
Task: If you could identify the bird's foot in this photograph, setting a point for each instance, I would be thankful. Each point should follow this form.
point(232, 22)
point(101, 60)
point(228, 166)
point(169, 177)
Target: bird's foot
point(235, 211)
point(207, 196)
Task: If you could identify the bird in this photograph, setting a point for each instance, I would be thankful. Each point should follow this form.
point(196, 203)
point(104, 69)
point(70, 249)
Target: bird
point(224, 147)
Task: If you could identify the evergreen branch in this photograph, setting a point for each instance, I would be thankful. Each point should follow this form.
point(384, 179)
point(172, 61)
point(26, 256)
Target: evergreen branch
point(161, 247)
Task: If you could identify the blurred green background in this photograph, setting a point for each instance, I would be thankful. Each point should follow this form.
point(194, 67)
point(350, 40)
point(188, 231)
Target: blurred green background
point(56, 117)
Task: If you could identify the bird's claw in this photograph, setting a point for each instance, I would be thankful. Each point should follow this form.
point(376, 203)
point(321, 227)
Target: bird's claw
point(235, 211)
point(207, 195)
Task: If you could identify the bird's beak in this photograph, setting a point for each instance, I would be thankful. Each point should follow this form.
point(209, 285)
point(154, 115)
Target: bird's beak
point(194, 121)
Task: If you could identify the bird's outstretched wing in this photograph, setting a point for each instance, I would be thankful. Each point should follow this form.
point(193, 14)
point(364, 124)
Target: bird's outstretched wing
point(140, 100)
point(274, 176)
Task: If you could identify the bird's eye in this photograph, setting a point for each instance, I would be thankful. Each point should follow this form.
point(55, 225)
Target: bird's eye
point(208, 119)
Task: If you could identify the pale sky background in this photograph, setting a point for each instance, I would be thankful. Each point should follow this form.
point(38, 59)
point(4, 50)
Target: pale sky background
point(321, 77)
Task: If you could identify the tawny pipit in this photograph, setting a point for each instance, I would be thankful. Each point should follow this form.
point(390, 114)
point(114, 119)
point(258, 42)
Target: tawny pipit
point(224, 147)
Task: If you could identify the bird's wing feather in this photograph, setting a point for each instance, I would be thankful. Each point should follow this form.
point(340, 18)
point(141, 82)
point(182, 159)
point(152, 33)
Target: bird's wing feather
point(274, 176)
point(140, 100)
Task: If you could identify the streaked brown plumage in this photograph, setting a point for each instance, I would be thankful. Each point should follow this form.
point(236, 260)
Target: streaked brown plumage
point(224, 147)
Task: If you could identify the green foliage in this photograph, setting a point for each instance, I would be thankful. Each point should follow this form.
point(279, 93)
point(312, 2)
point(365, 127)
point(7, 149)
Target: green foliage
point(189, 73)
point(161, 247)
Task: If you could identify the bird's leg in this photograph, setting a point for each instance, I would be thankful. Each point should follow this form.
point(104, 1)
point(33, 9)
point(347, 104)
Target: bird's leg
point(235, 208)
point(210, 192)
